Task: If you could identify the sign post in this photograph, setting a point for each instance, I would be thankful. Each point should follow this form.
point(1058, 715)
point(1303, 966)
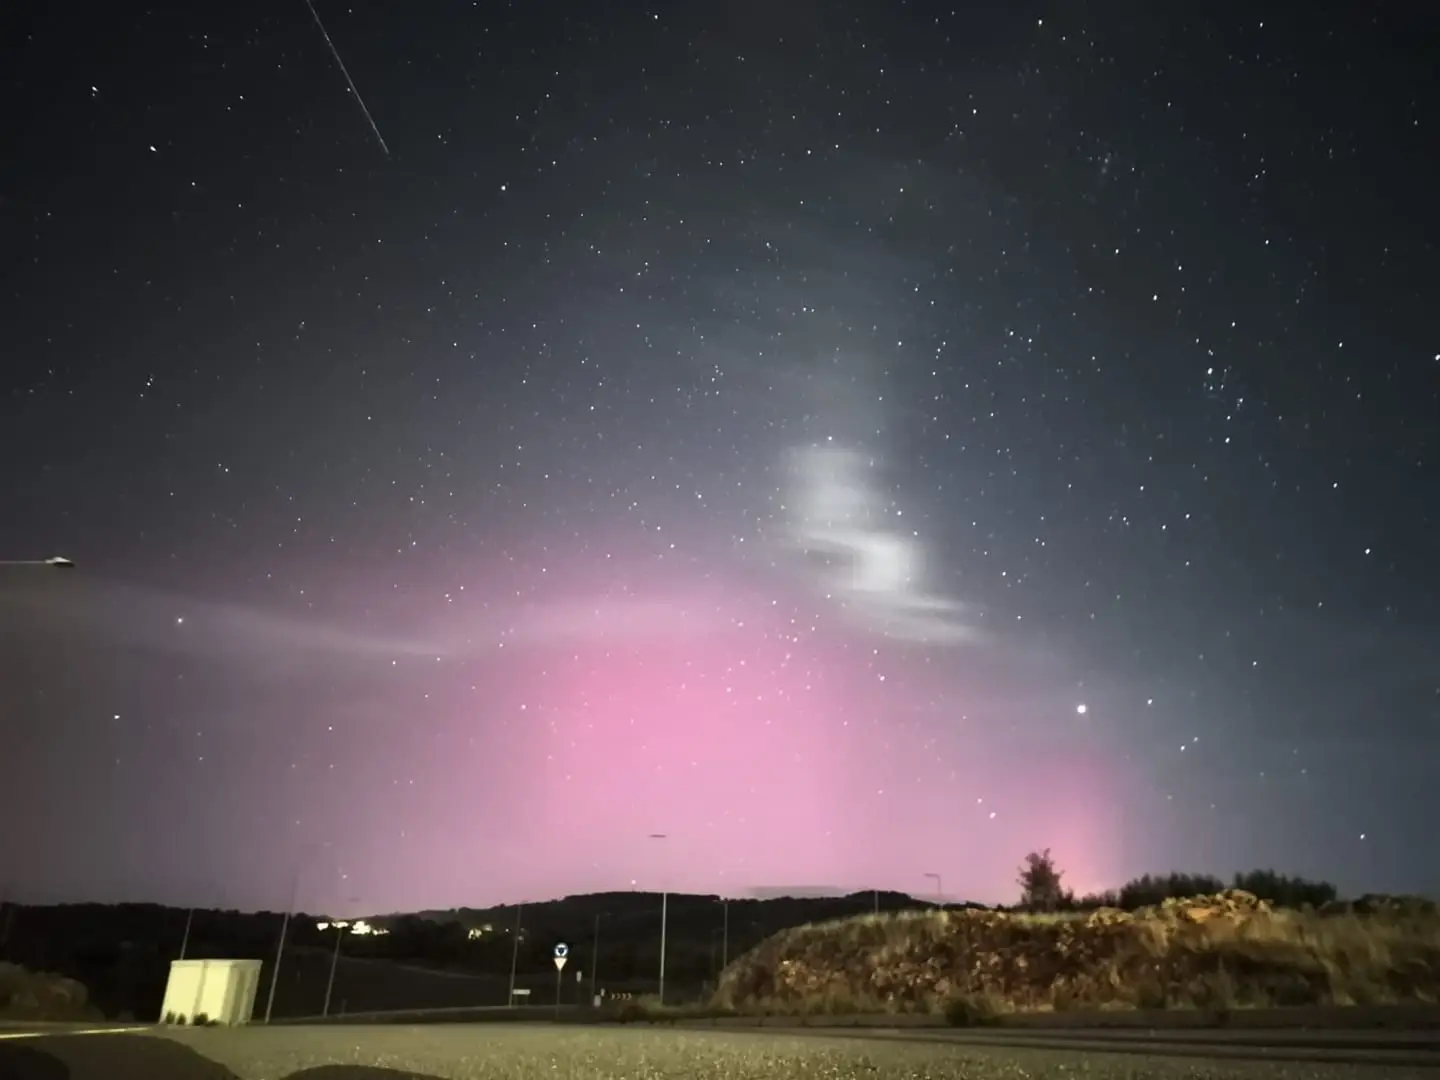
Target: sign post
point(562, 953)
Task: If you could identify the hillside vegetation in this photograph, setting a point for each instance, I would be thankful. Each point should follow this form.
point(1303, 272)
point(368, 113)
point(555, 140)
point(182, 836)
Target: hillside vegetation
point(1221, 951)
point(28, 995)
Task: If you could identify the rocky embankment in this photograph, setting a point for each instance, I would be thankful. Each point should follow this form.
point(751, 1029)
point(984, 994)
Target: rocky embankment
point(1229, 950)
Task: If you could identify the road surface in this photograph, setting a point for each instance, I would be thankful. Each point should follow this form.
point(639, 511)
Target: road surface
point(550, 1052)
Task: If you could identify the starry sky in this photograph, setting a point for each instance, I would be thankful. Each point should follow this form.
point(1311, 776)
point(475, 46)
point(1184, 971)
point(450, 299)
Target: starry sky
point(857, 442)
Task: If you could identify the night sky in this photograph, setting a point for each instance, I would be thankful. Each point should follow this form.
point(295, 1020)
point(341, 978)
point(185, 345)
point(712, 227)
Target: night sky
point(858, 441)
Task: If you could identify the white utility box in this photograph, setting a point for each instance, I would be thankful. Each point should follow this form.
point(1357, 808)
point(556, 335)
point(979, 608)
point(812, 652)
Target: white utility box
point(217, 991)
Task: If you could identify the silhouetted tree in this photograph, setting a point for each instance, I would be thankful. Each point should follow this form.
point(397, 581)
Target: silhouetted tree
point(1284, 891)
point(1039, 881)
point(1110, 898)
point(1153, 889)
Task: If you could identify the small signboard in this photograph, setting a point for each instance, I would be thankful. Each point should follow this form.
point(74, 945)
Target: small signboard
point(562, 953)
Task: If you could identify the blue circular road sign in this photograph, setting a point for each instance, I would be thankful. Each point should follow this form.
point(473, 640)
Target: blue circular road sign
point(561, 950)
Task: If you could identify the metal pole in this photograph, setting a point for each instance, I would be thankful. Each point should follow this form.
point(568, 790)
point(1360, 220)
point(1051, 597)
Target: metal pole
point(725, 936)
point(664, 925)
point(280, 948)
point(558, 972)
point(185, 939)
point(7, 912)
point(877, 900)
point(664, 920)
point(595, 958)
point(515, 954)
point(334, 963)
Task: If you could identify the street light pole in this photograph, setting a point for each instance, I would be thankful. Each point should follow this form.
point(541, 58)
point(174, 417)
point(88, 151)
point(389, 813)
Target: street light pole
point(939, 890)
point(515, 953)
point(334, 963)
point(185, 938)
point(595, 958)
point(664, 924)
point(280, 948)
point(725, 935)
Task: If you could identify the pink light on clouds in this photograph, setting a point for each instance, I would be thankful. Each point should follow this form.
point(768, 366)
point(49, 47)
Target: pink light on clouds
point(766, 757)
point(528, 751)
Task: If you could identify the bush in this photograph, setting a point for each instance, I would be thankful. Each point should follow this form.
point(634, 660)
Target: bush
point(972, 1010)
point(31, 995)
point(632, 1012)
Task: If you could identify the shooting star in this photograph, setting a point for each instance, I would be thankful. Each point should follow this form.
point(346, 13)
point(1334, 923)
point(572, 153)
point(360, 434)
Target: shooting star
point(343, 71)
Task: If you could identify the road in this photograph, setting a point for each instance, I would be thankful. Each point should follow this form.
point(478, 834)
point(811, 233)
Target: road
point(551, 1052)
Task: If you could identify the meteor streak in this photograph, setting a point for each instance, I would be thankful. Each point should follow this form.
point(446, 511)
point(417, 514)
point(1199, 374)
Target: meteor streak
point(343, 71)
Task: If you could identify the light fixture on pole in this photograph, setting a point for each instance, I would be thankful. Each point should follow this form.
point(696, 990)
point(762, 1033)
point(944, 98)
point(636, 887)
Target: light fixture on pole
point(939, 890)
point(664, 924)
point(55, 562)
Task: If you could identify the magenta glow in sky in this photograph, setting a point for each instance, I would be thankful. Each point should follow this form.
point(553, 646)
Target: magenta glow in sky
point(766, 754)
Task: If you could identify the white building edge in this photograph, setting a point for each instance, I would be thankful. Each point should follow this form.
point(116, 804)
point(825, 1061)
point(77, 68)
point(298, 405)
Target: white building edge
point(211, 991)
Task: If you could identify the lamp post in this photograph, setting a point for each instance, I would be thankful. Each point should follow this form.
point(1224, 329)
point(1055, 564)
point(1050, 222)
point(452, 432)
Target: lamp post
point(515, 953)
point(55, 562)
point(664, 923)
point(305, 851)
point(939, 890)
point(595, 957)
point(340, 928)
point(280, 948)
point(724, 934)
point(185, 938)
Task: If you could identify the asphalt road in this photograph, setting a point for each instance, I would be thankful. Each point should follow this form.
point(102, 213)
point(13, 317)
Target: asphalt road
point(546, 1052)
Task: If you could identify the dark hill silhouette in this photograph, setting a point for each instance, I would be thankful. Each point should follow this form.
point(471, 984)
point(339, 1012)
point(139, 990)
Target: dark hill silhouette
point(431, 959)
point(462, 957)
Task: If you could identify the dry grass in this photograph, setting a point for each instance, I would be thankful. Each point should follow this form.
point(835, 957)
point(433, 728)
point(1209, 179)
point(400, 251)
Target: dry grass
point(1216, 953)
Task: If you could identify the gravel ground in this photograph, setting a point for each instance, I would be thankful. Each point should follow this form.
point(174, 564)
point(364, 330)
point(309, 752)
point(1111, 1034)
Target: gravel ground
point(534, 1052)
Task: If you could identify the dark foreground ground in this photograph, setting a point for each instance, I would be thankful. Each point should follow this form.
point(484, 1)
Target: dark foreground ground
point(547, 1052)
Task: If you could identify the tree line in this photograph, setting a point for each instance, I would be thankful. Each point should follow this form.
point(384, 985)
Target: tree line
point(1042, 888)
